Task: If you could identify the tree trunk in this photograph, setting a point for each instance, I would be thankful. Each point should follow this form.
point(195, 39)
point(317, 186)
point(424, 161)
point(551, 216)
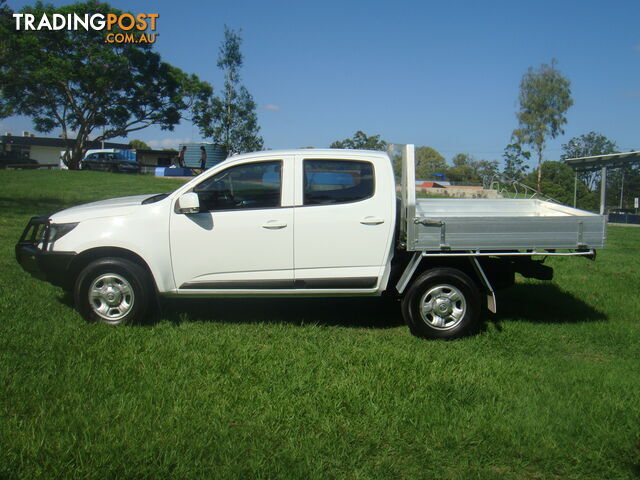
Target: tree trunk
point(78, 147)
point(77, 154)
point(539, 170)
point(66, 157)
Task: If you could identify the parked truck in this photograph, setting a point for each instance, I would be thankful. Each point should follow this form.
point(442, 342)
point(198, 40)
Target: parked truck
point(304, 223)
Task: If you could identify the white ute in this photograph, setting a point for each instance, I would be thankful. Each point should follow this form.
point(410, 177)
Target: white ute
point(304, 222)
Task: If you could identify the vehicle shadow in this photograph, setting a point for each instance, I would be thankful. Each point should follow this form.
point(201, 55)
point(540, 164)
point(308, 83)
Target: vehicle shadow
point(543, 303)
point(378, 312)
point(538, 303)
point(355, 312)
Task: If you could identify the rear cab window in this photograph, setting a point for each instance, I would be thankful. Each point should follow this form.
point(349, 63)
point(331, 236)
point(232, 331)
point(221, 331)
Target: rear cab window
point(330, 182)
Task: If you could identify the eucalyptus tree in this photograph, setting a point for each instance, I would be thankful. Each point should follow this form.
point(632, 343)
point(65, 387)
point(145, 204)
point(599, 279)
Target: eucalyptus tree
point(230, 118)
point(545, 97)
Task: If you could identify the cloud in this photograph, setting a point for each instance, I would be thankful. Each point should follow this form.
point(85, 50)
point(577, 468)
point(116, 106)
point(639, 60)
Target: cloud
point(637, 47)
point(272, 107)
point(167, 143)
point(634, 94)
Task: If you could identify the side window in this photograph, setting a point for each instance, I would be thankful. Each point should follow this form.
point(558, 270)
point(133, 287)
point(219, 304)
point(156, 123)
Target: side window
point(337, 181)
point(252, 185)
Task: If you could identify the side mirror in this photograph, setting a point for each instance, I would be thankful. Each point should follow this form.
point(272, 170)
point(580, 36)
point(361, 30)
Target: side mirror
point(188, 203)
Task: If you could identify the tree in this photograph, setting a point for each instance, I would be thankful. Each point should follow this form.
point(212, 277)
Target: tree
point(428, 162)
point(462, 174)
point(463, 171)
point(461, 159)
point(77, 82)
point(361, 141)
point(6, 29)
point(139, 145)
point(589, 145)
point(558, 182)
point(515, 161)
point(468, 170)
point(231, 118)
point(545, 97)
point(486, 170)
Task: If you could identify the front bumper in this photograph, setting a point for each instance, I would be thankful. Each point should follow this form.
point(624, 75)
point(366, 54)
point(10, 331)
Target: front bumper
point(34, 257)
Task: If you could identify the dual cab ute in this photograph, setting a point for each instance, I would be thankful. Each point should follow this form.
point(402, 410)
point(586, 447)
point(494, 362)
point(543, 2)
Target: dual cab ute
point(304, 222)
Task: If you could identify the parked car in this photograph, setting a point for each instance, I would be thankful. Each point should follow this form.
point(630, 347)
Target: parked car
point(304, 223)
point(110, 160)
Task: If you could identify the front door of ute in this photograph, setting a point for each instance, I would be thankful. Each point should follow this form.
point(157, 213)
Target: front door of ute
point(242, 238)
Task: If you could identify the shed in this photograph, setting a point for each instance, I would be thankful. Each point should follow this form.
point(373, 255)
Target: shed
point(600, 162)
point(215, 154)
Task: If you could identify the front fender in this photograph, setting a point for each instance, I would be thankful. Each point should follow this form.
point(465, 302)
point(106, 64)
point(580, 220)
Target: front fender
point(144, 234)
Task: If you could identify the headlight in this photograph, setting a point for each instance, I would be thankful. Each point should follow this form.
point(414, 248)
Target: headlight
point(59, 230)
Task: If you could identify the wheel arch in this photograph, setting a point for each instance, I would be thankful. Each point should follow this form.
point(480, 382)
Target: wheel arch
point(430, 263)
point(458, 263)
point(86, 257)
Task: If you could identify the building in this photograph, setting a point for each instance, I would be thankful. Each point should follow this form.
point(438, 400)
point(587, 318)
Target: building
point(47, 150)
point(157, 158)
point(430, 184)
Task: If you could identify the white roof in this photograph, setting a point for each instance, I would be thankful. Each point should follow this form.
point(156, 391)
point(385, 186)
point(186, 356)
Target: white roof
point(598, 161)
point(315, 152)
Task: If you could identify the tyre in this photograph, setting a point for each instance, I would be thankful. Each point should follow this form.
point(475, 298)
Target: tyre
point(442, 303)
point(113, 291)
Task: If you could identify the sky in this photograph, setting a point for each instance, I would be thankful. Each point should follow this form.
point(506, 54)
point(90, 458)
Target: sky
point(442, 74)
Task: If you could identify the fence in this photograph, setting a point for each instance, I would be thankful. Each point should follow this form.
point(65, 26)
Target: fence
point(624, 218)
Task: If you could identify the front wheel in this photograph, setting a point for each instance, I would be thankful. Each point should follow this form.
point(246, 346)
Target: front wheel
point(113, 291)
point(442, 303)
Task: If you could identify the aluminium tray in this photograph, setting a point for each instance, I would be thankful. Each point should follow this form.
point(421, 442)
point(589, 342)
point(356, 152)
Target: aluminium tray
point(503, 224)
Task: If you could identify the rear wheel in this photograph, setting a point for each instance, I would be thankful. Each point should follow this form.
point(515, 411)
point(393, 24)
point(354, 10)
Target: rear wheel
point(113, 291)
point(442, 303)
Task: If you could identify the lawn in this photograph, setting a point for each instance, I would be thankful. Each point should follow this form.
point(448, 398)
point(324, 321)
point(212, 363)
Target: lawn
point(315, 388)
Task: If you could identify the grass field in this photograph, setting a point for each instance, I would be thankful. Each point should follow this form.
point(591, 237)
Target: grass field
point(316, 388)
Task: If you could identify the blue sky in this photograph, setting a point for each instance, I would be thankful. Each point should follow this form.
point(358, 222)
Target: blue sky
point(443, 74)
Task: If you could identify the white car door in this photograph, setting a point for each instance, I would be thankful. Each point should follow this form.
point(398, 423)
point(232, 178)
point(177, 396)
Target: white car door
point(344, 221)
point(242, 238)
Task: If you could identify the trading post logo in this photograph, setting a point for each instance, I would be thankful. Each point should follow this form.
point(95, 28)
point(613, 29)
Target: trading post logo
point(130, 28)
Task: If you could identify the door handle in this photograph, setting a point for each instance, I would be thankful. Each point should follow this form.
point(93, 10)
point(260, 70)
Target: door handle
point(372, 221)
point(274, 225)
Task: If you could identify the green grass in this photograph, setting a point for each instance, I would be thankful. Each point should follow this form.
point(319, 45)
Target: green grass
point(316, 388)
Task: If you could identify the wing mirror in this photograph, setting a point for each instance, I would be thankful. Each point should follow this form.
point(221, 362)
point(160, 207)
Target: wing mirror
point(188, 203)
